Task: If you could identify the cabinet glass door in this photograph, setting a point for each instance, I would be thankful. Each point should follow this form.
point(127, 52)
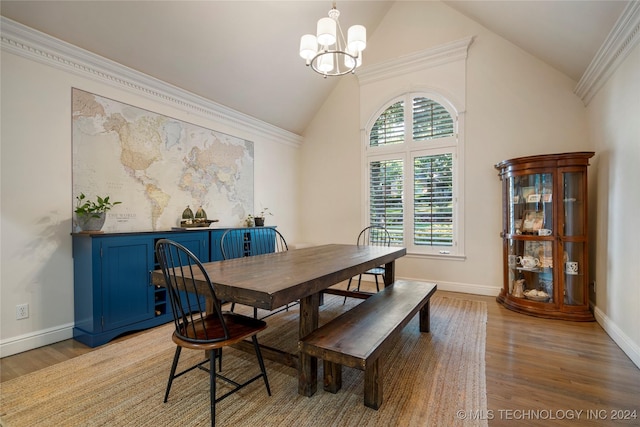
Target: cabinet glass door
point(530, 265)
point(573, 184)
point(573, 236)
point(574, 274)
point(530, 210)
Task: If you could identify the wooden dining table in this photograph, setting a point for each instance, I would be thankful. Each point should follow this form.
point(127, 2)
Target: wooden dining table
point(274, 280)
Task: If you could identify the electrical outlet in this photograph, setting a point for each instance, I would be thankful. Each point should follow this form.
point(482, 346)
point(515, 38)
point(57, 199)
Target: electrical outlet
point(22, 311)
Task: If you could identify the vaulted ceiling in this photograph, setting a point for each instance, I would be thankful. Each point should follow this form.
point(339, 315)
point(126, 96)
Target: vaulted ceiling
point(243, 54)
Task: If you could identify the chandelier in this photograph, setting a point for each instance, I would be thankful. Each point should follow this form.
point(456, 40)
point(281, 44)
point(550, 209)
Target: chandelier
point(327, 52)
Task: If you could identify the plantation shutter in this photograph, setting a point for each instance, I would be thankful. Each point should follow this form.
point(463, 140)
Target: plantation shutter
point(386, 182)
point(430, 120)
point(413, 147)
point(433, 200)
point(389, 127)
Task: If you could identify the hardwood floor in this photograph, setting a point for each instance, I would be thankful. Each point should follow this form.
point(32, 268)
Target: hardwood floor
point(539, 372)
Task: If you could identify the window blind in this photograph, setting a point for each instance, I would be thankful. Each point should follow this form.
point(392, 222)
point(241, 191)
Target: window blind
point(430, 120)
point(433, 200)
point(389, 127)
point(386, 185)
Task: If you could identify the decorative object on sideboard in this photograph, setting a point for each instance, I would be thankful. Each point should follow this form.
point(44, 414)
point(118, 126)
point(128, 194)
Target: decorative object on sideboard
point(259, 219)
point(187, 216)
point(90, 214)
point(201, 215)
point(327, 52)
point(199, 220)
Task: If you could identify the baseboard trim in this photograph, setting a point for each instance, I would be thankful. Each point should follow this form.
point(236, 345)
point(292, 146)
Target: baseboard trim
point(625, 343)
point(465, 288)
point(35, 339)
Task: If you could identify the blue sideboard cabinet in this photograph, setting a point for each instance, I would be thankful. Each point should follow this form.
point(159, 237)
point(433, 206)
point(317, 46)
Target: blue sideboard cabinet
point(112, 289)
point(113, 293)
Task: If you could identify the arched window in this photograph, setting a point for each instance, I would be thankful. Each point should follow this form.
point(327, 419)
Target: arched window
point(412, 158)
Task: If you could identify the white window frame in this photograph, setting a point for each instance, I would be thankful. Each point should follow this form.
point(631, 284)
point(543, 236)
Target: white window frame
point(407, 151)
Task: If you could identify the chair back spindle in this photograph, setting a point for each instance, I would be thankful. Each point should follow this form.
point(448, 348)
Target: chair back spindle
point(181, 269)
point(243, 242)
point(374, 236)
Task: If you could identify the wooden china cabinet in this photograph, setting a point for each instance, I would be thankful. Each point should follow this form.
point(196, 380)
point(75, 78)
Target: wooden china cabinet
point(544, 235)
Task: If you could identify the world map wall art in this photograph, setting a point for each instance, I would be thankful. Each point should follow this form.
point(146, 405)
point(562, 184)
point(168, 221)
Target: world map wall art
point(157, 166)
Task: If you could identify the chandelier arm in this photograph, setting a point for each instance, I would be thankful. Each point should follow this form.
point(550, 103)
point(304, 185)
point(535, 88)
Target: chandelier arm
point(336, 71)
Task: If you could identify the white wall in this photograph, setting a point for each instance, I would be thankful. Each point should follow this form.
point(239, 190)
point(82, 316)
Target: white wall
point(615, 132)
point(36, 200)
point(516, 105)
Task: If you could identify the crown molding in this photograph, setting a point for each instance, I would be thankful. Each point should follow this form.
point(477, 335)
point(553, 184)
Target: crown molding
point(37, 46)
point(448, 52)
point(619, 43)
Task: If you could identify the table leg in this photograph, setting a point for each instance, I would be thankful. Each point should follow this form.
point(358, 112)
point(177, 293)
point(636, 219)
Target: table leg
point(425, 315)
point(389, 273)
point(307, 365)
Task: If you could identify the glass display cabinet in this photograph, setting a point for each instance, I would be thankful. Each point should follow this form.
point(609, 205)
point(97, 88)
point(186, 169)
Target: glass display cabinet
point(545, 235)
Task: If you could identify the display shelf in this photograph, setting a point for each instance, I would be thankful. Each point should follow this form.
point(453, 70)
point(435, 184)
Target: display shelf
point(545, 226)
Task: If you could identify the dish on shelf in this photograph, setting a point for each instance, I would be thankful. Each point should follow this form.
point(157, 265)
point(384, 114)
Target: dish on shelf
point(535, 295)
point(528, 268)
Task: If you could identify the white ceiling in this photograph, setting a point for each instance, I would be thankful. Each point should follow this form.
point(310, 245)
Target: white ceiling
point(243, 54)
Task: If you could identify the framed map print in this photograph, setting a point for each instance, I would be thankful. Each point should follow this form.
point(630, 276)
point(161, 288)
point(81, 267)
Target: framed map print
point(157, 166)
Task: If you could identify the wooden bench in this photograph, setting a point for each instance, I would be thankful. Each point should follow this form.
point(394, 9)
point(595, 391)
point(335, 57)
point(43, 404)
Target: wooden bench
point(359, 337)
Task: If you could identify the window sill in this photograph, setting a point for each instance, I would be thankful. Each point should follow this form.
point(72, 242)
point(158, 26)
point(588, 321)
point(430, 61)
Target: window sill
point(447, 257)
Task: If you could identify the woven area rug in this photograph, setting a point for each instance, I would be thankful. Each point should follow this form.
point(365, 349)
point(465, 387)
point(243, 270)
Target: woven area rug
point(428, 378)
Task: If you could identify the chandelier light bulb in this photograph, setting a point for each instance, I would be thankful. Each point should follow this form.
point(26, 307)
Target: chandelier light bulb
point(308, 47)
point(326, 31)
point(325, 62)
point(357, 36)
point(349, 62)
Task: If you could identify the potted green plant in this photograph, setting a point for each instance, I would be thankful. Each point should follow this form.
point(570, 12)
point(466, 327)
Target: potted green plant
point(259, 219)
point(91, 214)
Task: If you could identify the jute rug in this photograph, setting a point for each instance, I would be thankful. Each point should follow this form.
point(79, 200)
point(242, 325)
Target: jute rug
point(428, 378)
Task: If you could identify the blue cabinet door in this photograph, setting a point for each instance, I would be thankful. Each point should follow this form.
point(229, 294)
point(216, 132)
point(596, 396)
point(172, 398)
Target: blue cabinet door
point(127, 296)
point(196, 241)
point(215, 250)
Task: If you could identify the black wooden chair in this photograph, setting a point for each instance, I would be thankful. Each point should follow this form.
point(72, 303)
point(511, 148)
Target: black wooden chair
point(373, 235)
point(196, 329)
point(244, 242)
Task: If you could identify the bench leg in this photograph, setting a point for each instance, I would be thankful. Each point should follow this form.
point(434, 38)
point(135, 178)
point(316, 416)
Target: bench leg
point(424, 318)
point(332, 376)
point(373, 385)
